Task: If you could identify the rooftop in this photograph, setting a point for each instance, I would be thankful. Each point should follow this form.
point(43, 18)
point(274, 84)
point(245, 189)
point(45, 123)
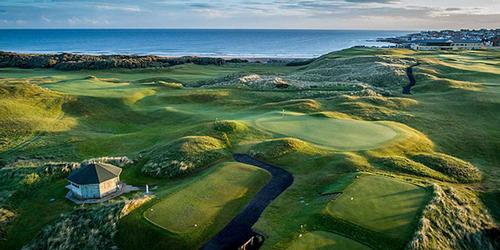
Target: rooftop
point(94, 173)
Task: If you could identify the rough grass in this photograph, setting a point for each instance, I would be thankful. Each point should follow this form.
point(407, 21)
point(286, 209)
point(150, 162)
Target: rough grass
point(275, 148)
point(85, 228)
point(381, 204)
point(183, 156)
point(457, 169)
point(200, 210)
point(300, 105)
point(27, 109)
point(230, 127)
point(6, 216)
point(404, 165)
point(455, 219)
point(325, 240)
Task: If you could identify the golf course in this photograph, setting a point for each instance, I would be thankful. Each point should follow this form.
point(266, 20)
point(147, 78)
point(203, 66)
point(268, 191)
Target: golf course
point(370, 167)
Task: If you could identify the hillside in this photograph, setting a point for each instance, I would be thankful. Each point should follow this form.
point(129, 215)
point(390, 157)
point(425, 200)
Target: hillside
point(372, 168)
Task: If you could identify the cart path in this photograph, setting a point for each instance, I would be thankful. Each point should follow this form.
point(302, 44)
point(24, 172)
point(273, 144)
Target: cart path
point(239, 229)
point(411, 77)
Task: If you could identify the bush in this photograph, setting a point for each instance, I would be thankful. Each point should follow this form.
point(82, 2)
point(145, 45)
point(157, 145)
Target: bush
point(183, 156)
point(459, 170)
point(6, 216)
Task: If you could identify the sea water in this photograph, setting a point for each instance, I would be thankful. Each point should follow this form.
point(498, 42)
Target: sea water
point(190, 42)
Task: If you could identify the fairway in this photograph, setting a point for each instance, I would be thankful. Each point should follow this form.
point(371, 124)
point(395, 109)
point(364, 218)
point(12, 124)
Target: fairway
point(343, 134)
point(325, 240)
point(201, 209)
point(381, 204)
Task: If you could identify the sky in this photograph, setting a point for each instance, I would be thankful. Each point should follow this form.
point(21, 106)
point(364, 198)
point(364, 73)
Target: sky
point(271, 14)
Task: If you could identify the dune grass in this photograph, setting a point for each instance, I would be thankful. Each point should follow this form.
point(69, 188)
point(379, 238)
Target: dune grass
point(381, 204)
point(198, 211)
point(184, 156)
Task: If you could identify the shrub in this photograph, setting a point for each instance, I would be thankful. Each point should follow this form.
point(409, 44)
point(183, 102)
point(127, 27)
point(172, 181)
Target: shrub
point(459, 170)
point(183, 156)
point(31, 179)
point(6, 216)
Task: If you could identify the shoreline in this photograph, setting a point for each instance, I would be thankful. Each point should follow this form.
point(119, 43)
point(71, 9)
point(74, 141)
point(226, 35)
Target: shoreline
point(71, 62)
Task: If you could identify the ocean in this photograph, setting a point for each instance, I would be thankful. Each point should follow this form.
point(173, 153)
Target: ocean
point(190, 42)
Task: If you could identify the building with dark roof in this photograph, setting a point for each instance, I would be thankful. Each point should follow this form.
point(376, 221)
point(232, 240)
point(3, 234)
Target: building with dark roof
point(446, 44)
point(94, 181)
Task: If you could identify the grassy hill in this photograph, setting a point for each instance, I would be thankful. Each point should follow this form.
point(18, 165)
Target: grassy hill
point(339, 124)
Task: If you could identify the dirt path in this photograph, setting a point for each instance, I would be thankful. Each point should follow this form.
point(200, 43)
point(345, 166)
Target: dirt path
point(239, 229)
point(411, 77)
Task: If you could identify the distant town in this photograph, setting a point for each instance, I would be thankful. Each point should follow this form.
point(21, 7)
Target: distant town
point(448, 39)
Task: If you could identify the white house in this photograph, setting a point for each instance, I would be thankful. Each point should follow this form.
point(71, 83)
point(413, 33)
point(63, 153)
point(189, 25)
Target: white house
point(94, 181)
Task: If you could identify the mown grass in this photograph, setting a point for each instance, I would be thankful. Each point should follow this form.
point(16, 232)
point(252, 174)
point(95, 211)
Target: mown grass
point(325, 240)
point(381, 204)
point(342, 134)
point(200, 210)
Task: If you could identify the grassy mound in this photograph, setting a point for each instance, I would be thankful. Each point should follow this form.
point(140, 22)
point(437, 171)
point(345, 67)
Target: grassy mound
point(302, 105)
point(325, 240)
point(183, 156)
point(455, 219)
point(170, 85)
point(199, 210)
point(379, 71)
point(457, 169)
point(381, 204)
point(230, 126)
point(27, 109)
point(280, 147)
point(331, 114)
point(404, 165)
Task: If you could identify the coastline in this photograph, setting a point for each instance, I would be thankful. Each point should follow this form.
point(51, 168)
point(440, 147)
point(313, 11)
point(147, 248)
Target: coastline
point(70, 61)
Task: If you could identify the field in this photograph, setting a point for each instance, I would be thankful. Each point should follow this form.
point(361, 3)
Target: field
point(325, 240)
point(200, 210)
point(341, 134)
point(341, 127)
point(381, 204)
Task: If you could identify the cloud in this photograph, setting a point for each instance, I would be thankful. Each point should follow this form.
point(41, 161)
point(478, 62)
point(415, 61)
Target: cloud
point(324, 14)
point(372, 1)
point(118, 8)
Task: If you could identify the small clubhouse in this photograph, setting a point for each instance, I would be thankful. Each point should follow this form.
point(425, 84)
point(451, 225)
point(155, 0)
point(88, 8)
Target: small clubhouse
point(94, 181)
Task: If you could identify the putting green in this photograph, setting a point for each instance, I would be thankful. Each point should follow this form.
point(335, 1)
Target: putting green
point(343, 134)
point(325, 240)
point(205, 206)
point(381, 204)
